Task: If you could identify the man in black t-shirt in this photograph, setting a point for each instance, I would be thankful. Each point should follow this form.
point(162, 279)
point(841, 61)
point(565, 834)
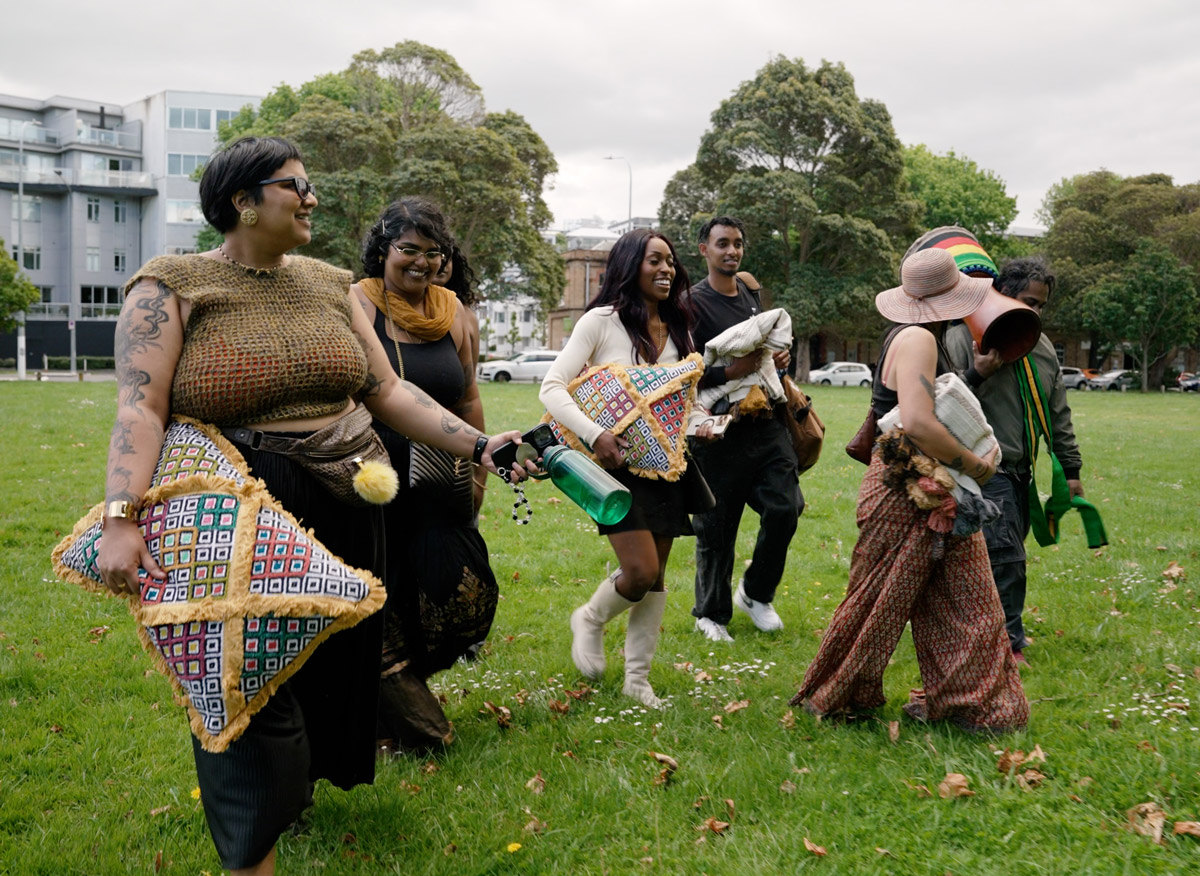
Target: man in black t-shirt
point(752, 464)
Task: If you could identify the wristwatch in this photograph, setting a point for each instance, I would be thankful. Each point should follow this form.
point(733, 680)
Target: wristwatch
point(119, 509)
point(481, 444)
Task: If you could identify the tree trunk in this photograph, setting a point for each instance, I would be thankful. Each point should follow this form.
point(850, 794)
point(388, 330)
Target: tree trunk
point(800, 358)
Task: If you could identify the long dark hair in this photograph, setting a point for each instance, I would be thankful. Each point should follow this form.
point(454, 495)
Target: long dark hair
point(462, 276)
point(621, 290)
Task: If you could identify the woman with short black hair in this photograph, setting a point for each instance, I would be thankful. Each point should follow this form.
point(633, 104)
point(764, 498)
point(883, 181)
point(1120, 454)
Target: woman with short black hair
point(253, 339)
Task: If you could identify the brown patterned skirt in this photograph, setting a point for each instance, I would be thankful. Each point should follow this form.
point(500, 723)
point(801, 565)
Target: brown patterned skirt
point(966, 664)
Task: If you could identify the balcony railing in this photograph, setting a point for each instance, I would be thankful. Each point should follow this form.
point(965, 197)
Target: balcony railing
point(104, 137)
point(10, 129)
point(49, 310)
point(66, 176)
point(99, 311)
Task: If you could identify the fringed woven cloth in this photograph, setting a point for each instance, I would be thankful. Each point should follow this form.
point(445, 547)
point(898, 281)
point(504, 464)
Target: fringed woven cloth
point(647, 405)
point(768, 332)
point(249, 593)
point(966, 664)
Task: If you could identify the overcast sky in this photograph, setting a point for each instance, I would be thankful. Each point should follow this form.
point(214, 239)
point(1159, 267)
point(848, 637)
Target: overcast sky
point(1034, 91)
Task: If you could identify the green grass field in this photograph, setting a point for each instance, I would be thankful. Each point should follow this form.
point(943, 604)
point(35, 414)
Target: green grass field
point(96, 774)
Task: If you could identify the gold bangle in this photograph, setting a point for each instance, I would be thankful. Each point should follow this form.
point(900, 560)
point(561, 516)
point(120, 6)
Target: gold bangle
point(119, 509)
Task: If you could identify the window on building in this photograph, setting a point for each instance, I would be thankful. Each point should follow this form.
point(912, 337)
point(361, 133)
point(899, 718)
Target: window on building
point(31, 207)
point(119, 261)
point(189, 119)
point(120, 212)
point(33, 257)
point(184, 164)
point(181, 250)
point(184, 211)
point(224, 115)
point(92, 262)
point(527, 316)
point(98, 302)
point(47, 294)
point(1060, 351)
point(93, 209)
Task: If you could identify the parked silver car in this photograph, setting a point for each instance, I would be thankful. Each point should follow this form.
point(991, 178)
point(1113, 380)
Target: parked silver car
point(1114, 380)
point(1074, 378)
point(531, 365)
point(841, 374)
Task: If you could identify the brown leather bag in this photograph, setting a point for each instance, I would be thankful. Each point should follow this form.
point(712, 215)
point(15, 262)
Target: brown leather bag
point(804, 427)
point(863, 442)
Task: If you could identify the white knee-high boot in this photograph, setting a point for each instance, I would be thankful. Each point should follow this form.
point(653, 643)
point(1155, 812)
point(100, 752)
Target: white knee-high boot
point(641, 638)
point(587, 626)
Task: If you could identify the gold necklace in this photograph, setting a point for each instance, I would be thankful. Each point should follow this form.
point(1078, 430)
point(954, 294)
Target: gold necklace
point(258, 272)
point(662, 336)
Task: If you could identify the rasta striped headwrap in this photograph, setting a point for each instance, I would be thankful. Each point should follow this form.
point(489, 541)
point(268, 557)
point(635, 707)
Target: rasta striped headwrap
point(960, 243)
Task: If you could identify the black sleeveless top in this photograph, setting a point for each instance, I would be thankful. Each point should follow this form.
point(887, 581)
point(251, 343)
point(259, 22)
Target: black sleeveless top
point(884, 399)
point(434, 366)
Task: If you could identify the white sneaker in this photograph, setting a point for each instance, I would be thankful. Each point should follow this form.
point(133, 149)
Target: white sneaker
point(762, 614)
point(712, 630)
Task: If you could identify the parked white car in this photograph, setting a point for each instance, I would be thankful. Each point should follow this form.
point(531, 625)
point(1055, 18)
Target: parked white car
point(841, 374)
point(531, 365)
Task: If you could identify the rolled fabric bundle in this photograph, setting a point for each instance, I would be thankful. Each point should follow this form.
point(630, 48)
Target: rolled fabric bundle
point(956, 408)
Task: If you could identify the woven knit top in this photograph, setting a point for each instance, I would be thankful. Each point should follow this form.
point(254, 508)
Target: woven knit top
point(260, 349)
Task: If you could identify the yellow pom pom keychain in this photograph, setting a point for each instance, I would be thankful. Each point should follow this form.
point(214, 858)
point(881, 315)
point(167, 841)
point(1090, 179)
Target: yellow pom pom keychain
point(376, 482)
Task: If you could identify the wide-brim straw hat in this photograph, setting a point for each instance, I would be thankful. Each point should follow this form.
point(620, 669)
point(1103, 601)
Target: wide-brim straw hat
point(932, 289)
point(968, 253)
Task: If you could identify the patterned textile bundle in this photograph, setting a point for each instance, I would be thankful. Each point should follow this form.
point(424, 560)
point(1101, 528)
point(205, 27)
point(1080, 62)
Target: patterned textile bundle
point(767, 332)
point(647, 405)
point(249, 593)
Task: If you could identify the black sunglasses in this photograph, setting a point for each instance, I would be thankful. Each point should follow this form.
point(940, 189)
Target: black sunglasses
point(302, 186)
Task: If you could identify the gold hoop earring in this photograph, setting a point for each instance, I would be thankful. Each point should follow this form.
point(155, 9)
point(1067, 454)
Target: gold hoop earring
point(249, 217)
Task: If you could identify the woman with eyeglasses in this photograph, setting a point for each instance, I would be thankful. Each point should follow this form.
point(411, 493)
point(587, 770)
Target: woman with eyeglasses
point(441, 590)
point(253, 339)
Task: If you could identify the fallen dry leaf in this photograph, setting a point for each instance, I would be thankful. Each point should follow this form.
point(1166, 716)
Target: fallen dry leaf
point(685, 667)
point(580, 693)
point(1010, 760)
point(882, 850)
point(570, 754)
point(954, 785)
point(429, 768)
point(503, 715)
point(411, 788)
point(665, 759)
point(817, 850)
point(1147, 819)
point(719, 721)
point(1174, 571)
point(158, 862)
point(922, 790)
point(537, 784)
point(1074, 798)
point(1030, 779)
point(730, 808)
point(1187, 828)
point(894, 731)
point(700, 801)
point(535, 826)
point(96, 634)
point(559, 706)
point(663, 777)
point(801, 771)
point(450, 849)
point(1036, 756)
point(1145, 745)
point(160, 810)
point(54, 728)
point(712, 825)
point(521, 696)
point(516, 576)
point(788, 786)
point(703, 676)
point(553, 500)
point(788, 721)
point(736, 706)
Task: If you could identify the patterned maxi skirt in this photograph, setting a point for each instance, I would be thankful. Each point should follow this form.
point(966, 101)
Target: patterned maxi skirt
point(966, 664)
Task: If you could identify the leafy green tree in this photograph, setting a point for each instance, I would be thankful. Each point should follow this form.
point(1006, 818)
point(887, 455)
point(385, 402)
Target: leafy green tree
point(956, 191)
point(514, 335)
point(1152, 303)
point(817, 176)
point(1097, 223)
point(408, 120)
point(16, 292)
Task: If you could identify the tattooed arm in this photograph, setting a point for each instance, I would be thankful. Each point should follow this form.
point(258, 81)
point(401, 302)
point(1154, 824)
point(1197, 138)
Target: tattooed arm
point(910, 366)
point(409, 410)
point(148, 341)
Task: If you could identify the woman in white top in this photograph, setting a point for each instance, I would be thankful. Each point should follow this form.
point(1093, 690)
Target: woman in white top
point(640, 316)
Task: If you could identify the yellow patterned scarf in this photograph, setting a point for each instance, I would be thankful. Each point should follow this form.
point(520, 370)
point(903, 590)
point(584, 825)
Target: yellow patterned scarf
point(440, 307)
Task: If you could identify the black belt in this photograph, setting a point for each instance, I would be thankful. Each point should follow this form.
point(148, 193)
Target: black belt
point(258, 440)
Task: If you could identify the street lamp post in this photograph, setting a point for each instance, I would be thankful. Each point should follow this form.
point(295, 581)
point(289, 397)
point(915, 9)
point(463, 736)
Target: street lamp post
point(21, 238)
point(630, 166)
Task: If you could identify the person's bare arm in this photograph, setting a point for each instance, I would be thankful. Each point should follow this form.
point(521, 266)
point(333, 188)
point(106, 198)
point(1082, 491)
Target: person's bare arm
point(147, 342)
point(910, 368)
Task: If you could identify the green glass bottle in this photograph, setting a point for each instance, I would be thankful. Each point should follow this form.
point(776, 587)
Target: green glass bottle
point(603, 497)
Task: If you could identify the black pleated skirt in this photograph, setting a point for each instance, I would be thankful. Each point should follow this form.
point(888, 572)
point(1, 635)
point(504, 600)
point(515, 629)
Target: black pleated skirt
point(321, 722)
